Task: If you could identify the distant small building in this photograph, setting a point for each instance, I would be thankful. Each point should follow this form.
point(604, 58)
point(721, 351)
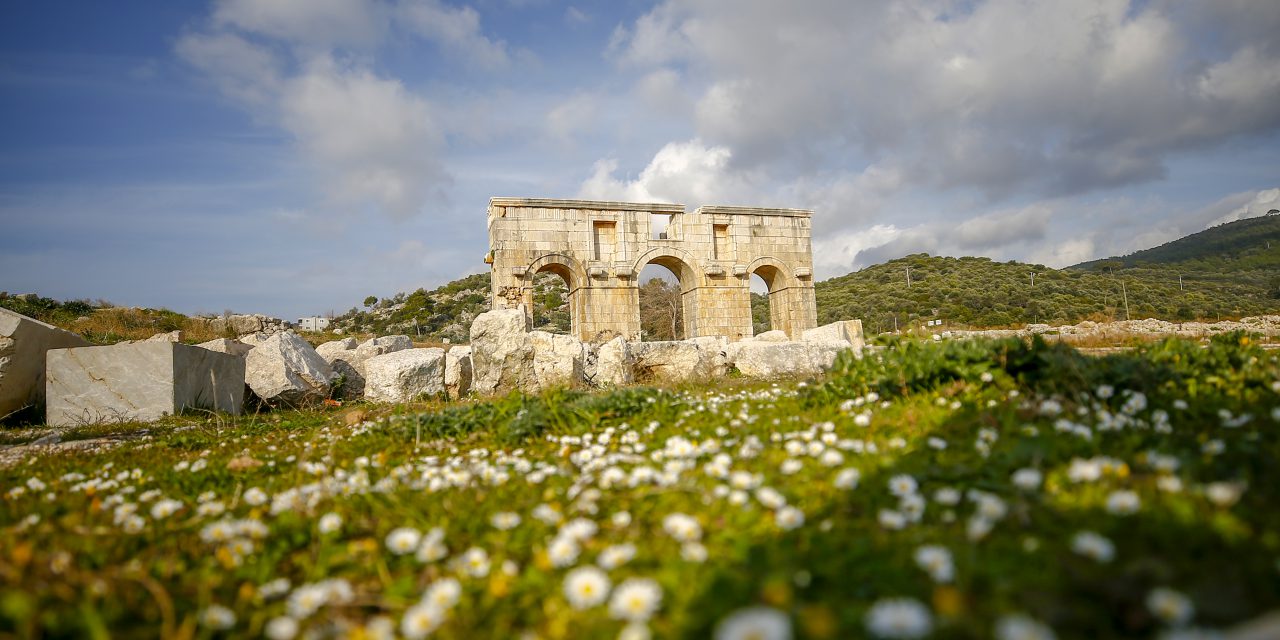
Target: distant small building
point(314, 323)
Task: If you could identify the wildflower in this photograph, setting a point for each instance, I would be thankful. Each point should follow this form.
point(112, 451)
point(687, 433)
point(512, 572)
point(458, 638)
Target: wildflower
point(421, 620)
point(831, 458)
point(636, 599)
point(936, 561)
point(505, 520)
point(443, 593)
point(621, 519)
point(788, 518)
point(281, 628)
point(218, 617)
point(209, 509)
point(255, 497)
point(563, 551)
point(165, 508)
point(1123, 503)
point(274, 588)
point(937, 443)
point(1019, 626)
point(616, 555)
point(847, 478)
point(682, 527)
point(693, 552)
point(790, 466)
point(947, 496)
point(1092, 545)
point(1104, 391)
point(586, 587)
point(133, 524)
point(862, 419)
point(475, 562)
point(755, 623)
point(770, 498)
point(580, 529)
point(1170, 606)
point(986, 376)
point(899, 618)
point(432, 547)
point(1224, 494)
point(902, 485)
point(329, 523)
point(1027, 479)
point(890, 519)
point(403, 540)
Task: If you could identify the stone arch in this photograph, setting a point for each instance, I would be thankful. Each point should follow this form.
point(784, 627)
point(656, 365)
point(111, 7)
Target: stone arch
point(565, 266)
point(687, 271)
point(782, 289)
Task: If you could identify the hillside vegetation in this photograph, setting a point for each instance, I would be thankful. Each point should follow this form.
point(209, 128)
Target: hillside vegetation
point(101, 322)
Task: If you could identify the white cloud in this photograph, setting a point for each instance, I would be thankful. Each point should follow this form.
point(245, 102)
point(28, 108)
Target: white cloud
point(689, 173)
point(245, 72)
point(1001, 96)
point(315, 22)
point(1249, 204)
point(456, 28)
point(374, 139)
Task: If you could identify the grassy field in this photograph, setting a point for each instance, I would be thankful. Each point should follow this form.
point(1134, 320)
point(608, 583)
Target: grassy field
point(947, 490)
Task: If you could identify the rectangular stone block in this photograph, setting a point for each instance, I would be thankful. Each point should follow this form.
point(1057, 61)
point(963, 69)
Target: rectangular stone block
point(142, 381)
point(23, 344)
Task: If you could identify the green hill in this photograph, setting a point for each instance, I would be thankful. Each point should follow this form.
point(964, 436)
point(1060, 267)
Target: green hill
point(1230, 270)
point(1240, 252)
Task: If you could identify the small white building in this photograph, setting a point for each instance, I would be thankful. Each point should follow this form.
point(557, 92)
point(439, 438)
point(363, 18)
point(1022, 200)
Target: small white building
point(313, 323)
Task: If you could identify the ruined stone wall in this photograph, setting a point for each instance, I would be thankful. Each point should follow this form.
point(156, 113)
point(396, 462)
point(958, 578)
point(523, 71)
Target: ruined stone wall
point(600, 248)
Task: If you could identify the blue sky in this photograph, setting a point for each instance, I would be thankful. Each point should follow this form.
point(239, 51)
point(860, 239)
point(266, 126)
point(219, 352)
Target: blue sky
point(291, 157)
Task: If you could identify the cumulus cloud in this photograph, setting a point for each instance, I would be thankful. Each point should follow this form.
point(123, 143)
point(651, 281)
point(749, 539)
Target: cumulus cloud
point(1002, 96)
point(1248, 204)
point(690, 173)
point(301, 65)
point(374, 139)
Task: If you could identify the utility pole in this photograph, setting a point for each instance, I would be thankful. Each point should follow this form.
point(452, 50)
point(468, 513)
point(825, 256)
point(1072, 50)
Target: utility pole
point(1180, 282)
point(908, 277)
point(1126, 300)
point(1033, 279)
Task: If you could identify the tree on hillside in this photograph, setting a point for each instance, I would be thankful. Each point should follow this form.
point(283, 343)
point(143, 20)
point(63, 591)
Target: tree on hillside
point(661, 313)
point(370, 301)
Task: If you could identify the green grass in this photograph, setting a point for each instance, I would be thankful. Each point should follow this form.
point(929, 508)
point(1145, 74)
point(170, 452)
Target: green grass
point(963, 416)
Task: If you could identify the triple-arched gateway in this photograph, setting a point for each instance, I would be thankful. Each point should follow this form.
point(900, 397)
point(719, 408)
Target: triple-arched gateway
point(599, 248)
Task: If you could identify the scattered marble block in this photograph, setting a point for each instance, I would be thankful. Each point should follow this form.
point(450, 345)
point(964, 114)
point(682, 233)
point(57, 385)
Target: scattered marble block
point(23, 343)
point(143, 381)
point(404, 376)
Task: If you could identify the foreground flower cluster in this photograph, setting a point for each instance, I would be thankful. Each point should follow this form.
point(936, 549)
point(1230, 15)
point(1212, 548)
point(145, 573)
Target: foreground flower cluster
point(981, 503)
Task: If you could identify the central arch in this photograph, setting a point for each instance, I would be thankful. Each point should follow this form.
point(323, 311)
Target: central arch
point(687, 273)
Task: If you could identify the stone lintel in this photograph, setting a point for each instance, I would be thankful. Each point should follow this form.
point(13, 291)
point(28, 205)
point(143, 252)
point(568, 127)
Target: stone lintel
point(717, 210)
point(591, 205)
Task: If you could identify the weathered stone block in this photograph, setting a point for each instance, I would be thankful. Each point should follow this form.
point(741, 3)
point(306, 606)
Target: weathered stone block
point(405, 375)
point(611, 364)
point(23, 344)
point(500, 351)
point(285, 370)
point(457, 372)
point(226, 345)
point(557, 360)
point(142, 381)
point(847, 330)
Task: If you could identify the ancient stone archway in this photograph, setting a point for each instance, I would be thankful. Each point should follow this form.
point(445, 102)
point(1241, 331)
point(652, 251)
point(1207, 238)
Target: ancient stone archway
point(564, 266)
point(689, 274)
point(599, 248)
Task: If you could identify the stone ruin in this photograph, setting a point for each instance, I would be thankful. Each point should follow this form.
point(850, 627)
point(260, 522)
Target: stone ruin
point(600, 248)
